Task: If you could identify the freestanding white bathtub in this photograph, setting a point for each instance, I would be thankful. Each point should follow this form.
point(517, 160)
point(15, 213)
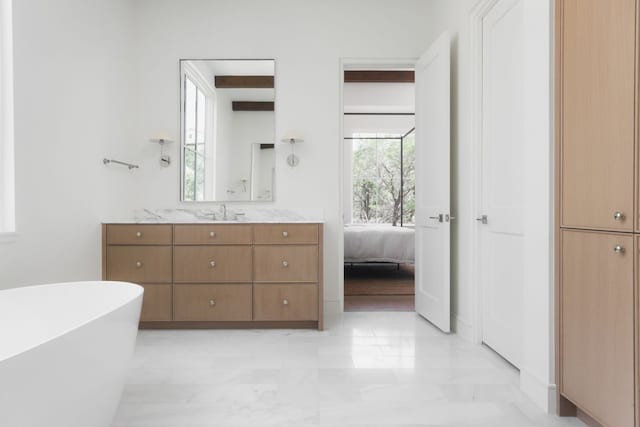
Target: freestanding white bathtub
point(64, 350)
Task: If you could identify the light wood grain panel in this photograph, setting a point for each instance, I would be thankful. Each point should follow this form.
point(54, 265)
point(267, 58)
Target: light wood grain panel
point(285, 302)
point(320, 277)
point(564, 406)
point(213, 302)
point(230, 264)
point(213, 234)
point(597, 325)
point(103, 250)
point(286, 234)
point(157, 302)
point(598, 98)
point(139, 234)
point(139, 264)
point(221, 324)
point(286, 263)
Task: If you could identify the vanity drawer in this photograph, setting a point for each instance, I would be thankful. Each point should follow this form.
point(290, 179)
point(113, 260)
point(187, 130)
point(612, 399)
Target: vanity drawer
point(285, 302)
point(212, 264)
point(212, 302)
point(284, 234)
point(156, 303)
point(139, 264)
point(286, 263)
point(134, 234)
point(213, 234)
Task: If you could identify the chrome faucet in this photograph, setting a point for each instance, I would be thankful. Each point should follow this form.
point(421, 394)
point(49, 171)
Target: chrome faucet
point(223, 209)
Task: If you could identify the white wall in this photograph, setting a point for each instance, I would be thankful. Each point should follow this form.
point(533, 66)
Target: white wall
point(537, 371)
point(71, 110)
point(306, 39)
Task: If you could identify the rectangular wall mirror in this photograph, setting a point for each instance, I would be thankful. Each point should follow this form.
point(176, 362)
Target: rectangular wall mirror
point(227, 130)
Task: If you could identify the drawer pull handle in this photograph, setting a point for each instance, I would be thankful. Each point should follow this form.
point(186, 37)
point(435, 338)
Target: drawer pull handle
point(212, 234)
point(618, 249)
point(285, 302)
point(285, 234)
point(138, 264)
point(212, 302)
point(138, 234)
point(618, 216)
point(212, 264)
point(285, 264)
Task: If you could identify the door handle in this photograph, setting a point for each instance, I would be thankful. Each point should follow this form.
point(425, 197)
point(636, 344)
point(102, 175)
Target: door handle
point(440, 217)
point(484, 219)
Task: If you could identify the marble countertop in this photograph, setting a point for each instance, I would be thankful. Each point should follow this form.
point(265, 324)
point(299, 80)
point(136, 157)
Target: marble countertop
point(213, 216)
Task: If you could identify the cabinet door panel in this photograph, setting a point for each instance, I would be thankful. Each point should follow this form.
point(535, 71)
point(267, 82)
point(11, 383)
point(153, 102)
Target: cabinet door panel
point(597, 333)
point(213, 234)
point(212, 264)
point(285, 302)
point(139, 264)
point(212, 302)
point(286, 263)
point(286, 234)
point(138, 234)
point(156, 303)
point(597, 113)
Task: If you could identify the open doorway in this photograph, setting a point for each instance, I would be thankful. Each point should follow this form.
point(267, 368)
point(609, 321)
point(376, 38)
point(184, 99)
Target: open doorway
point(379, 189)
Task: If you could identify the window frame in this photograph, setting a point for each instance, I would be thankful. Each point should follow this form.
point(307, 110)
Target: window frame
point(7, 140)
point(188, 71)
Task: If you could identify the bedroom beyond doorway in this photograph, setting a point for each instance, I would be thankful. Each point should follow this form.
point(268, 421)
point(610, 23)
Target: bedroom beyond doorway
point(379, 189)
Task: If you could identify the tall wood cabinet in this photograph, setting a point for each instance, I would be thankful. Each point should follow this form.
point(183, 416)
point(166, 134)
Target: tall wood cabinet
point(596, 199)
point(220, 275)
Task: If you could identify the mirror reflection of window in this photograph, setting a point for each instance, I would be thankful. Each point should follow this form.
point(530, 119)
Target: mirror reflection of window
point(195, 140)
point(228, 130)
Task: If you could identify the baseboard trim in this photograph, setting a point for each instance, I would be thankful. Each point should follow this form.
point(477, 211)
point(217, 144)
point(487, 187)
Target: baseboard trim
point(540, 392)
point(463, 328)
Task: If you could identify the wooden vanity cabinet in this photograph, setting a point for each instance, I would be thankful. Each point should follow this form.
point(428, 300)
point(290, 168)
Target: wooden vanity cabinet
point(597, 55)
point(142, 254)
point(287, 272)
point(597, 324)
point(220, 275)
point(597, 76)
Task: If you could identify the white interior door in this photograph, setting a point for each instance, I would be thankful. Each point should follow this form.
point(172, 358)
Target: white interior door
point(433, 288)
point(501, 218)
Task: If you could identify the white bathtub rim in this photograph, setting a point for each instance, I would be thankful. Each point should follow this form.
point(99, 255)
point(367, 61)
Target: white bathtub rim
point(138, 293)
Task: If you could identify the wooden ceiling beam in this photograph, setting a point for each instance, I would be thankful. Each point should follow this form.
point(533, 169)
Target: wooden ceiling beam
point(243, 82)
point(252, 106)
point(379, 76)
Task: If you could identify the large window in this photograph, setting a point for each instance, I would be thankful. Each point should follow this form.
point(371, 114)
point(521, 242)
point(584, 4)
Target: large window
point(383, 179)
point(195, 131)
point(7, 190)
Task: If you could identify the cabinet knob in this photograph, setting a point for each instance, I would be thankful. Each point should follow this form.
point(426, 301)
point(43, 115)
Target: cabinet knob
point(618, 249)
point(212, 234)
point(618, 216)
point(285, 264)
point(285, 302)
point(138, 233)
point(285, 234)
point(212, 302)
point(212, 264)
point(138, 264)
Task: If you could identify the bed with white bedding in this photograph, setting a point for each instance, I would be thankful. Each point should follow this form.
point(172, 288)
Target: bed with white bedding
point(379, 243)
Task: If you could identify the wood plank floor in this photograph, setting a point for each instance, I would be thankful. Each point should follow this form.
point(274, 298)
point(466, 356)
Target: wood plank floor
point(379, 287)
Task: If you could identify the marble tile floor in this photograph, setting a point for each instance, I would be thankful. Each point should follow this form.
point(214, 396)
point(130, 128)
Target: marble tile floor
point(367, 369)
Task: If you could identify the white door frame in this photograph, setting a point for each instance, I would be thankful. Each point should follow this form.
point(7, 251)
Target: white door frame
point(476, 17)
point(346, 64)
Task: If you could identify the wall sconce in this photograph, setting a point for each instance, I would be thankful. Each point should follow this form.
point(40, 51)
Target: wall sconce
point(292, 139)
point(163, 139)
